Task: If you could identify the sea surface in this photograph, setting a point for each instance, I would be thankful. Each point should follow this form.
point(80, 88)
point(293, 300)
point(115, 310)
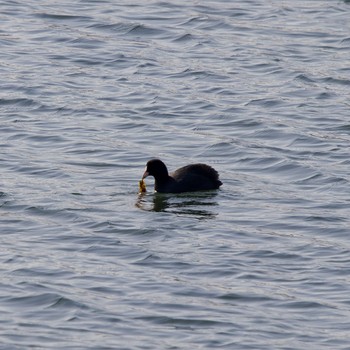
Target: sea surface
point(91, 90)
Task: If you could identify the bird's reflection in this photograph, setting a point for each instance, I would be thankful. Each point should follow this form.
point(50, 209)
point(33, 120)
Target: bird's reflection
point(200, 204)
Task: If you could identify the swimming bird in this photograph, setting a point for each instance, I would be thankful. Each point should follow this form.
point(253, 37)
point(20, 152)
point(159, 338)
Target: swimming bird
point(193, 177)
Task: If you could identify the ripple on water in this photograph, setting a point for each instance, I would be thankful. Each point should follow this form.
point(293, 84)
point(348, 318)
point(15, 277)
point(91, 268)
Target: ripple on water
point(90, 91)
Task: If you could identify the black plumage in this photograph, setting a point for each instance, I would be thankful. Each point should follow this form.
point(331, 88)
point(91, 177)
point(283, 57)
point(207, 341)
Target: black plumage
point(193, 177)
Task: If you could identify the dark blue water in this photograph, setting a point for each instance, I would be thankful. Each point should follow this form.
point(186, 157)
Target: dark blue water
point(91, 90)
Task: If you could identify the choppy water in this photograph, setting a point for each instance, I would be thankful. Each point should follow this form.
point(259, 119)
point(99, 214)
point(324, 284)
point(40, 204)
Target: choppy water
point(90, 90)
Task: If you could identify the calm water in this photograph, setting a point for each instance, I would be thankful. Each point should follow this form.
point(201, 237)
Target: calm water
point(90, 90)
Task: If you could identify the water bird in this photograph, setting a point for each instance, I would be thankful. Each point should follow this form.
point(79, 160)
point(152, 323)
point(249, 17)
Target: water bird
point(190, 178)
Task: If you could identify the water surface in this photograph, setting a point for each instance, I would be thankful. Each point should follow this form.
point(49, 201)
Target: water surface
point(93, 89)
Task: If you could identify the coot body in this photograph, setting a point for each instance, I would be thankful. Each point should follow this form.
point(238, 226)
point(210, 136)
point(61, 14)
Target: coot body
point(193, 177)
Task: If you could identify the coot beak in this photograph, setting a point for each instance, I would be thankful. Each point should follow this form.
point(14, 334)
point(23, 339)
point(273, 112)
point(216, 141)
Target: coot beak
point(145, 174)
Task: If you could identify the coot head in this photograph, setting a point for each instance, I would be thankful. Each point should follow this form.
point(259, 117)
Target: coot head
point(157, 169)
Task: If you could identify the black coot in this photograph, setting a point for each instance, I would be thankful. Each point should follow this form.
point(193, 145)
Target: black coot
point(193, 177)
